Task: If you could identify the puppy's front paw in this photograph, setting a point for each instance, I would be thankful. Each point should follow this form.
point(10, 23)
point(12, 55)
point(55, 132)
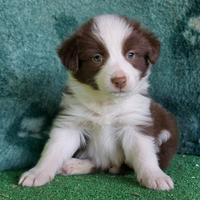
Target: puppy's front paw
point(157, 181)
point(35, 177)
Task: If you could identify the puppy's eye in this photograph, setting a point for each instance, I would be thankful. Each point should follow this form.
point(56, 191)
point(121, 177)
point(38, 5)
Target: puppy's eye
point(130, 55)
point(97, 58)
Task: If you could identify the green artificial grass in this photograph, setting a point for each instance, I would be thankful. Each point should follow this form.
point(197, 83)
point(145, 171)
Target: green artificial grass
point(185, 171)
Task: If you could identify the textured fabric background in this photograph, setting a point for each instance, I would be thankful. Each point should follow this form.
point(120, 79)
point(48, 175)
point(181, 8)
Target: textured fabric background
point(32, 76)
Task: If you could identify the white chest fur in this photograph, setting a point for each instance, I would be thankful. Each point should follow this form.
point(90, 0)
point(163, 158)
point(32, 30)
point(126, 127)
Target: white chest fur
point(103, 124)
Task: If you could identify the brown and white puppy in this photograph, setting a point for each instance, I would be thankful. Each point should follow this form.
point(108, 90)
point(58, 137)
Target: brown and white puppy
point(107, 113)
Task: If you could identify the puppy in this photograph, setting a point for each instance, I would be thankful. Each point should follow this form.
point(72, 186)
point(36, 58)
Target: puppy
point(107, 113)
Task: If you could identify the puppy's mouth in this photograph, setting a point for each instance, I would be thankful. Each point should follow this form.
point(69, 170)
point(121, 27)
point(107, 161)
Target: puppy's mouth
point(120, 93)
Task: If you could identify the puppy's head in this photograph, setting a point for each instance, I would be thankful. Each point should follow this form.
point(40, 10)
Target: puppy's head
point(110, 54)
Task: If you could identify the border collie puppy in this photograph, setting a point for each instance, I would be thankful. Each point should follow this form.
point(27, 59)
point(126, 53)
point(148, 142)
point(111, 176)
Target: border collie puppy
point(108, 118)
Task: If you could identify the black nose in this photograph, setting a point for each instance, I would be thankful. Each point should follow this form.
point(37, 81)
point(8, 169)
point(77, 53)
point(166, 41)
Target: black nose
point(119, 82)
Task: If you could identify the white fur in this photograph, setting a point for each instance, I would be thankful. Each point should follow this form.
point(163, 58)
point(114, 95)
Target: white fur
point(109, 117)
point(144, 160)
point(106, 27)
point(163, 137)
point(77, 166)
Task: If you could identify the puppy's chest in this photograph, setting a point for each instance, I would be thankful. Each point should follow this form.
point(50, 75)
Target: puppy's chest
point(115, 118)
point(97, 120)
point(130, 112)
point(104, 147)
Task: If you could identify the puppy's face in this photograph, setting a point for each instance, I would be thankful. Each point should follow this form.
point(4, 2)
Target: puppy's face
point(111, 54)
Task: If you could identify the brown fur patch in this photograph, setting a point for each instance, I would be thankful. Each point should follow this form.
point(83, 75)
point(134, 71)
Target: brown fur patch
point(144, 45)
point(77, 54)
point(162, 120)
point(165, 121)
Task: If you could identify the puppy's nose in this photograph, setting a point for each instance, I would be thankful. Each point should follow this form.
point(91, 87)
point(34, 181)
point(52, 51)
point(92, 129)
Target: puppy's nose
point(119, 82)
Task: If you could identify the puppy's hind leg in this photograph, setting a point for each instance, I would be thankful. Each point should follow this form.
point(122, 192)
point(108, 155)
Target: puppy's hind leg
point(78, 166)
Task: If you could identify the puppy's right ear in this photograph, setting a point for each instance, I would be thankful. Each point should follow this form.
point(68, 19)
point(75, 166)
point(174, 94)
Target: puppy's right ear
point(68, 53)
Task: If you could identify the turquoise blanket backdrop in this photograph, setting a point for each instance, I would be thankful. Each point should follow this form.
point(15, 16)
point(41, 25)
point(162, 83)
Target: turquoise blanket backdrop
point(32, 76)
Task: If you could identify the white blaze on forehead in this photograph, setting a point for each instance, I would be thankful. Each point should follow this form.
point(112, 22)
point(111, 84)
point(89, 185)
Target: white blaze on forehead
point(112, 30)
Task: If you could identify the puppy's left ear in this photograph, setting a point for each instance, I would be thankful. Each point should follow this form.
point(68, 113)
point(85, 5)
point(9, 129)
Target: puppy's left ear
point(154, 49)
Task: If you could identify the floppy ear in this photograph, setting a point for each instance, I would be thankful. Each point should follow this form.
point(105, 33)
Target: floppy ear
point(68, 53)
point(154, 50)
